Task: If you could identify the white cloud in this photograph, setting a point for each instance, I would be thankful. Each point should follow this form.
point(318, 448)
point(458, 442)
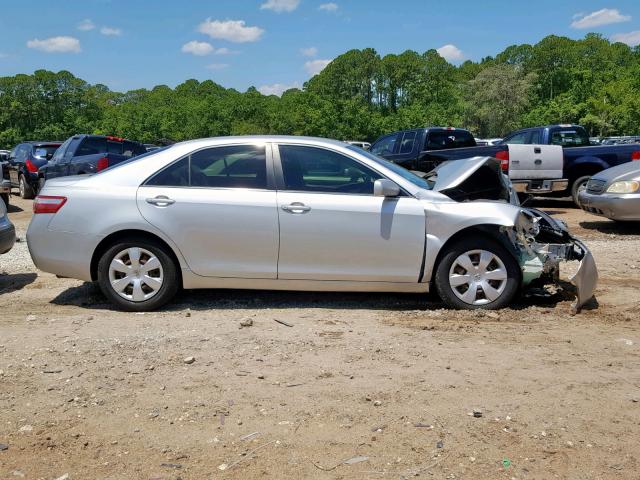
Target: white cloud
point(280, 6)
point(313, 67)
point(110, 31)
point(328, 7)
point(309, 52)
point(277, 88)
point(198, 48)
point(56, 45)
point(606, 16)
point(631, 38)
point(217, 66)
point(86, 25)
point(223, 51)
point(450, 53)
point(231, 30)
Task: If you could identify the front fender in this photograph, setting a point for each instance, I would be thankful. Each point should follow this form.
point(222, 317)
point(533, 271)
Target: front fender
point(444, 220)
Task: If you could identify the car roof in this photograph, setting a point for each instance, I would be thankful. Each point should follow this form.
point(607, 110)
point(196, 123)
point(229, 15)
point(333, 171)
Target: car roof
point(37, 143)
point(265, 139)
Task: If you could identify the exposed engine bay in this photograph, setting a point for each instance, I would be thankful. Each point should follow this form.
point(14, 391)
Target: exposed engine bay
point(542, 242)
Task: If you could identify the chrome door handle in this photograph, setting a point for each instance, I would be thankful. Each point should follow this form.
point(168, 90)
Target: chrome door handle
point(296, 207)
point(161, 201)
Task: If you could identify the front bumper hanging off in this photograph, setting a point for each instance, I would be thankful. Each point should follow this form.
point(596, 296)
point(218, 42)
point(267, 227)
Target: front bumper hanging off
point(543, 242)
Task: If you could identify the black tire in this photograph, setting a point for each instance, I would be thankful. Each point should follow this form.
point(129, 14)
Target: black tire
point(444, 289)
point(171, 277)
point(5, 198)
point(26, 191)
point(576, 186)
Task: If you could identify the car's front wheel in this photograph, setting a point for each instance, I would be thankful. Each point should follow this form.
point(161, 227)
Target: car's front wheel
point(477, 273)
point(138, 275)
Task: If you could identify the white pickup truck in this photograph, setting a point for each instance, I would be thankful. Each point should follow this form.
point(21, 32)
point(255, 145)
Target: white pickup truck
point(531, 168)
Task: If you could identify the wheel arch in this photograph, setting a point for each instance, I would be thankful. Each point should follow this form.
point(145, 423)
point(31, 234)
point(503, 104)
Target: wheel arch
point(130, 234)
point(585, 166)
point(488, 231)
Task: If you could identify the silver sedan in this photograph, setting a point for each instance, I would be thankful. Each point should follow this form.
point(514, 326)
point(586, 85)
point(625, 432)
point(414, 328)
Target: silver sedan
point(614, 193)
point(296, 213)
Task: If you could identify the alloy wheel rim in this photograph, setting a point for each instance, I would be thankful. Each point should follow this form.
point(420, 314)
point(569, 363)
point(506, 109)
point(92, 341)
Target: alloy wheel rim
point(478, 277)
point(21, 187)
point(136, 274)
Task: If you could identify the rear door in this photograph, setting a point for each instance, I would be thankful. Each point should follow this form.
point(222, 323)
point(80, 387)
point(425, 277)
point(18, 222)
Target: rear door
point(218, 205)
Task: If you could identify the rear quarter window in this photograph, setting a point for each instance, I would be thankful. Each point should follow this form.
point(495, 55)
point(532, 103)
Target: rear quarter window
point(444, 139)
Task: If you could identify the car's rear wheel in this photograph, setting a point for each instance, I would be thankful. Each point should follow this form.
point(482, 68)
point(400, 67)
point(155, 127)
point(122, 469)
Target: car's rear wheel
point(477, 273)
point(138, 275)
point(26, 191)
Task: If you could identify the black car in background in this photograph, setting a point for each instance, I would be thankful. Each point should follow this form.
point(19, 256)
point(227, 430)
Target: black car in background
point(24, 162)
point(82, 154)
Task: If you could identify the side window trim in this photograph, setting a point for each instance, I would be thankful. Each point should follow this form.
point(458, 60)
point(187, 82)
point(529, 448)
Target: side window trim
point(271, 182)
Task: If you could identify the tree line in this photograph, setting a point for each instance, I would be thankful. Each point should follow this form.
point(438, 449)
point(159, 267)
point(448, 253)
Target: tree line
point(358, 96)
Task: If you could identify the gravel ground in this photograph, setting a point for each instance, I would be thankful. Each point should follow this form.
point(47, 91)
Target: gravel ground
point(359, 386)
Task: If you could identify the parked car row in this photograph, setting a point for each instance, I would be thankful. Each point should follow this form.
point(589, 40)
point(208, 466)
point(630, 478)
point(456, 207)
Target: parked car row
point(553, 159)
point(30, 164)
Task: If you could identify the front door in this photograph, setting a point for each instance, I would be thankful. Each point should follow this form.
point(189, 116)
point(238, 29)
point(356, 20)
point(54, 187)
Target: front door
point(332, 227)
point(217, 207)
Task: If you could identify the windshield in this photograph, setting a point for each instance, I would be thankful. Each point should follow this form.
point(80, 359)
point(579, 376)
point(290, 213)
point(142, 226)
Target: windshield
point(403, 172)
point(133, 159)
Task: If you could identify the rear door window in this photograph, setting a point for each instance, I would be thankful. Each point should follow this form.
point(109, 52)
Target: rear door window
point(92, 146)
point(534, 139)
point(386, 145)
point(408, 140)
point(518, 138)
point(445, 139)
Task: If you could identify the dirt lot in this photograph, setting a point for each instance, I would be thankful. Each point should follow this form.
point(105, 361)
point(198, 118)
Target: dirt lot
point(359, 386)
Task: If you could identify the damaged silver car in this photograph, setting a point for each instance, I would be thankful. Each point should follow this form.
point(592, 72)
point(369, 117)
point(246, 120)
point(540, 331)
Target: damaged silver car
point(297, 213)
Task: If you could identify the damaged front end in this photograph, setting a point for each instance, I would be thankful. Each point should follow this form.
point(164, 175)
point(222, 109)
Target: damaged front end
point(542, 242)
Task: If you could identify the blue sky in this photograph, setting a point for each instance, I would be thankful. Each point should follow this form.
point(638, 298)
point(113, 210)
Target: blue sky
point(274, 44)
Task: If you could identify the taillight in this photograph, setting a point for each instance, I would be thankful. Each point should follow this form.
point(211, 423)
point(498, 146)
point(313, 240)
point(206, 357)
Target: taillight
point(48, 204)
point(503, 156)
point(102, 164)
point(30, 166)
point(635, 155)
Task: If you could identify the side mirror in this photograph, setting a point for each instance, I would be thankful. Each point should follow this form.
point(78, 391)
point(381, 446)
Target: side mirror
point(385, 188)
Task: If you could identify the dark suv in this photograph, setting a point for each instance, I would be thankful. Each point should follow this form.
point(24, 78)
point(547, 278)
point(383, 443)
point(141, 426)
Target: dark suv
point(82, 154)
point(24, 162)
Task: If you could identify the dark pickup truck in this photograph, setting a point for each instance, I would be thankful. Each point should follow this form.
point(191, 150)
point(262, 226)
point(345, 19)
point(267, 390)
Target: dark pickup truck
point(82, 154)
point(531, 169)
point(581, 158)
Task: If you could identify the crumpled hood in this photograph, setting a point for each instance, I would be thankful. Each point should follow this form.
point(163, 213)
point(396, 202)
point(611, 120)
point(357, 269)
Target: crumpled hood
point(451, 174)
point(470, 179)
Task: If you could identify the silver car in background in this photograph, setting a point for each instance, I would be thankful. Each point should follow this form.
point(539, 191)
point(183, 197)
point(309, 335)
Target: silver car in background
point(614, 193)
point(297, 213)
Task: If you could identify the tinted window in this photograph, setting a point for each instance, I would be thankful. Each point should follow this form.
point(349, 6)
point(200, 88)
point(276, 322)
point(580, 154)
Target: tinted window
point(518, 138)
point(243, 166)
point(60, 151)
point(318, 170)
point(442, 139)
point(407, 142)
point(403, 172)
point(569, 138)
point(92, 146)
point(535, 137)
point(175, 175)
point(45, 151)
point(385, 145)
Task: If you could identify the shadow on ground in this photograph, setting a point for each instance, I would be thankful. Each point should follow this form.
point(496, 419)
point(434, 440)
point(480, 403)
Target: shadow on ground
point(12, 282)
point(89, 296)
point(12, 208)
point(611, 227)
